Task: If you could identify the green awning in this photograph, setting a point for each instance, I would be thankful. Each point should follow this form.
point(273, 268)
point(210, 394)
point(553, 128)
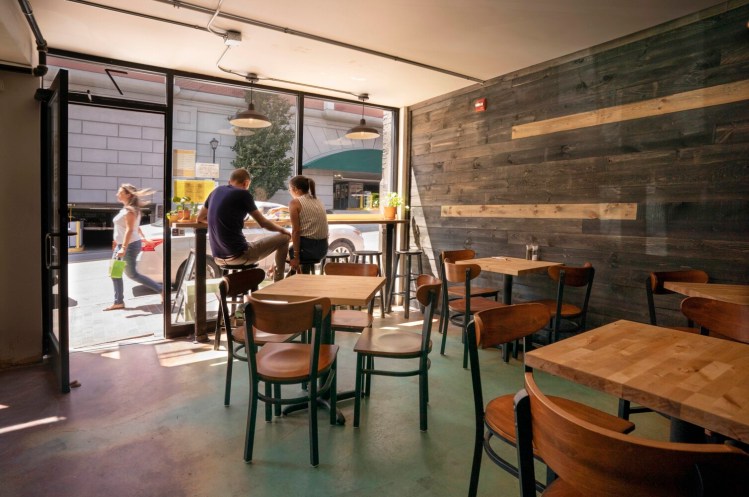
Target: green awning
point(364, 160)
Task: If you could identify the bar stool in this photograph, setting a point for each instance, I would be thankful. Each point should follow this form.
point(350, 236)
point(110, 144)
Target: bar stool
point(234, 300)
point(371, 257)
point(334, 257)
point(409, 277)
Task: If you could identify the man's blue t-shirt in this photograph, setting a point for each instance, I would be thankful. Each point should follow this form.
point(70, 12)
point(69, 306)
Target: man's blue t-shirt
point(227, 208)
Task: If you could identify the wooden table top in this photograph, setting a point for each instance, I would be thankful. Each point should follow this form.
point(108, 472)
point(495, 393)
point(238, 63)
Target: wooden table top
point(341, 290)
point(512, 266)
point(736, 294)
point(699, 379)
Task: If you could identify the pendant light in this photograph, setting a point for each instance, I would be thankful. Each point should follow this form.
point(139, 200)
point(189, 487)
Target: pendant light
point(362, 131)
point(250, 118)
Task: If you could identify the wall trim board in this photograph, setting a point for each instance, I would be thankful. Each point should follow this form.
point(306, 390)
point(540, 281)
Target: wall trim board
point(678, 102)
point(615, 211)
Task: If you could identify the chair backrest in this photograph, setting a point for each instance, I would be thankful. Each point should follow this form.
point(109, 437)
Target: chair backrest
point(460, 273)
point(284, 318)
point(235, 284)
point(457, 255)
point(598, 461)
point(496, 326)
point(720, 319)
point(571, 276)
point(351, 269)
point(655, 280)
point(428, 289)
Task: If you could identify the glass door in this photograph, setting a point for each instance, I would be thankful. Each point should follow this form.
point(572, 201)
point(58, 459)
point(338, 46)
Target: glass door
point(55, 227)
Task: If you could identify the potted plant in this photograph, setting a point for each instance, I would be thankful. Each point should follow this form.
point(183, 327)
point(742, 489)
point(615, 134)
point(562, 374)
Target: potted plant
point(182, 208)
point(390, 203)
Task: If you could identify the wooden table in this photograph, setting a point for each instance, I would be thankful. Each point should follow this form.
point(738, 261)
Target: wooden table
point(509, 267)
point(694, 378)
point(736, 294)
point(341, 290)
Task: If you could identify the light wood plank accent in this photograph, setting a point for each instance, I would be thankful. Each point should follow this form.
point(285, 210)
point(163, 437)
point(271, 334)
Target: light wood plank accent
point(689, 100)
point(620, 211)
point(735, 294)
point(699, 379)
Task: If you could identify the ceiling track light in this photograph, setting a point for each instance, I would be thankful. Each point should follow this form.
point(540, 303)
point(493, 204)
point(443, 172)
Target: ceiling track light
point(362, 131)
point(250, 118)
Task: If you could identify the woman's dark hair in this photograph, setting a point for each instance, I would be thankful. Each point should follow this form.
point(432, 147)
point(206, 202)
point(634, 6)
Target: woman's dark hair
point(304, 185)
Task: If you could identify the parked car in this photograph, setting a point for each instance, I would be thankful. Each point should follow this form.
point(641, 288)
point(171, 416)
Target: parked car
point(342, 237)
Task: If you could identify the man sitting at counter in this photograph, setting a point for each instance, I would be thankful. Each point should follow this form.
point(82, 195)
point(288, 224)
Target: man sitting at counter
point(225, 211)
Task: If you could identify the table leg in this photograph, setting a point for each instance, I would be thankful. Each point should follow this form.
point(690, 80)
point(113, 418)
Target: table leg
point(685, 432)
point(200, 260)
point(388, 262)
point(507, 300)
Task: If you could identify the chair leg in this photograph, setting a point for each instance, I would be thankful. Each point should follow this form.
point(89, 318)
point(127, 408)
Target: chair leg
point(249, 440)
point(358, 389)
point(623, 409)
point(277, 395)
point(334, 394)
point(478, 452)
point(464, 334)
point(217, 331)
point(393, 277)
point(443, 326)
point(227, 388)
point(368, 376)
point(314, 458)
point(423, 382)
point(268, 405)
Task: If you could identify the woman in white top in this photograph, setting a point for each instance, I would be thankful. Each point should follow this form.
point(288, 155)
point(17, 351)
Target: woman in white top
point(127, 242)
point(309, 224)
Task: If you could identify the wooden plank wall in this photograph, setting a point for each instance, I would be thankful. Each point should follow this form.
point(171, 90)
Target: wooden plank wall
point(686, 171)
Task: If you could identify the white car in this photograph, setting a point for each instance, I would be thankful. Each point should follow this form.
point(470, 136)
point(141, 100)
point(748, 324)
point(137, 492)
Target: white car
point(342, 238)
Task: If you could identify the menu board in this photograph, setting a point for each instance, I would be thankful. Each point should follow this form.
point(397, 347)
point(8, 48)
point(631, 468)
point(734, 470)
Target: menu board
point(196, 189)
point(184, 163)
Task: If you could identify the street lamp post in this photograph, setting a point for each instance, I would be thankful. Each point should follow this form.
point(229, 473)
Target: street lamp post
point(214, 146)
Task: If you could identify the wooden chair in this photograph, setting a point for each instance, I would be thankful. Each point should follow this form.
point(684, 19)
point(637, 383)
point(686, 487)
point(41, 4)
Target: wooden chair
point(277, 364)
point(592, 460)
point(717, 318)
point(398, 344)
point(452, 292)
point(500, 326)
point(352, 320)
point(234, 287)
point(654, 286)
point(560, 308)
point(466, 307)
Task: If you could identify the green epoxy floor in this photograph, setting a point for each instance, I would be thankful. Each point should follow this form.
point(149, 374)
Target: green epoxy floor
point(149, 420)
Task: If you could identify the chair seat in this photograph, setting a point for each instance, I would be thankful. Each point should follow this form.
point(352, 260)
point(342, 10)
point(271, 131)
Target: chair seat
point(568, 310)
point(460, 291)
point(291, 361)
point(350, 320)
point(390, 343)
point(261, 337)
point(477, 304)
point(500, 416)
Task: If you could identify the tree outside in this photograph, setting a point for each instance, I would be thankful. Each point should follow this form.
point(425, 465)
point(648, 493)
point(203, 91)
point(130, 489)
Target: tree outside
point(267, 154)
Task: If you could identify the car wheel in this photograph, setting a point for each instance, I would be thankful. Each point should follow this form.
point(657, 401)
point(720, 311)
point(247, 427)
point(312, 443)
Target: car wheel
point(341, 246)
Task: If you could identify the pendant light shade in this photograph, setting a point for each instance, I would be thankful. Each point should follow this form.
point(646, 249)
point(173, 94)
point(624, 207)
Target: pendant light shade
point(250, 118)
point(362, 131)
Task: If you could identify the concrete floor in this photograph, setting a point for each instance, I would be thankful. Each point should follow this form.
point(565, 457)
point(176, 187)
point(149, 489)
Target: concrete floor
point(149, 420)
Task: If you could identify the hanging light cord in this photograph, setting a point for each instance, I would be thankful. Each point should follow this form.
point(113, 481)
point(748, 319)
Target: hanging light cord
point(222, 33)
point(254, 77)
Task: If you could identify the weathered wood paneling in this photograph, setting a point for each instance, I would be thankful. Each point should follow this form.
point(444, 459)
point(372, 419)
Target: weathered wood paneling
point(687, 171)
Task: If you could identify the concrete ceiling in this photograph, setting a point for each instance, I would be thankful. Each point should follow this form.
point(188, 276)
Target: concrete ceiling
point(482, 39)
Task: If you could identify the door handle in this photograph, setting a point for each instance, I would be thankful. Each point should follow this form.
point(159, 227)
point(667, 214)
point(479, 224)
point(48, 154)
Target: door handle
point(48, 248)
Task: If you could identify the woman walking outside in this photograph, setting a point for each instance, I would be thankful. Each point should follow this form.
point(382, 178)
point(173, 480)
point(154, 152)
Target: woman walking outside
point(309, 224)
point(127, 242)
